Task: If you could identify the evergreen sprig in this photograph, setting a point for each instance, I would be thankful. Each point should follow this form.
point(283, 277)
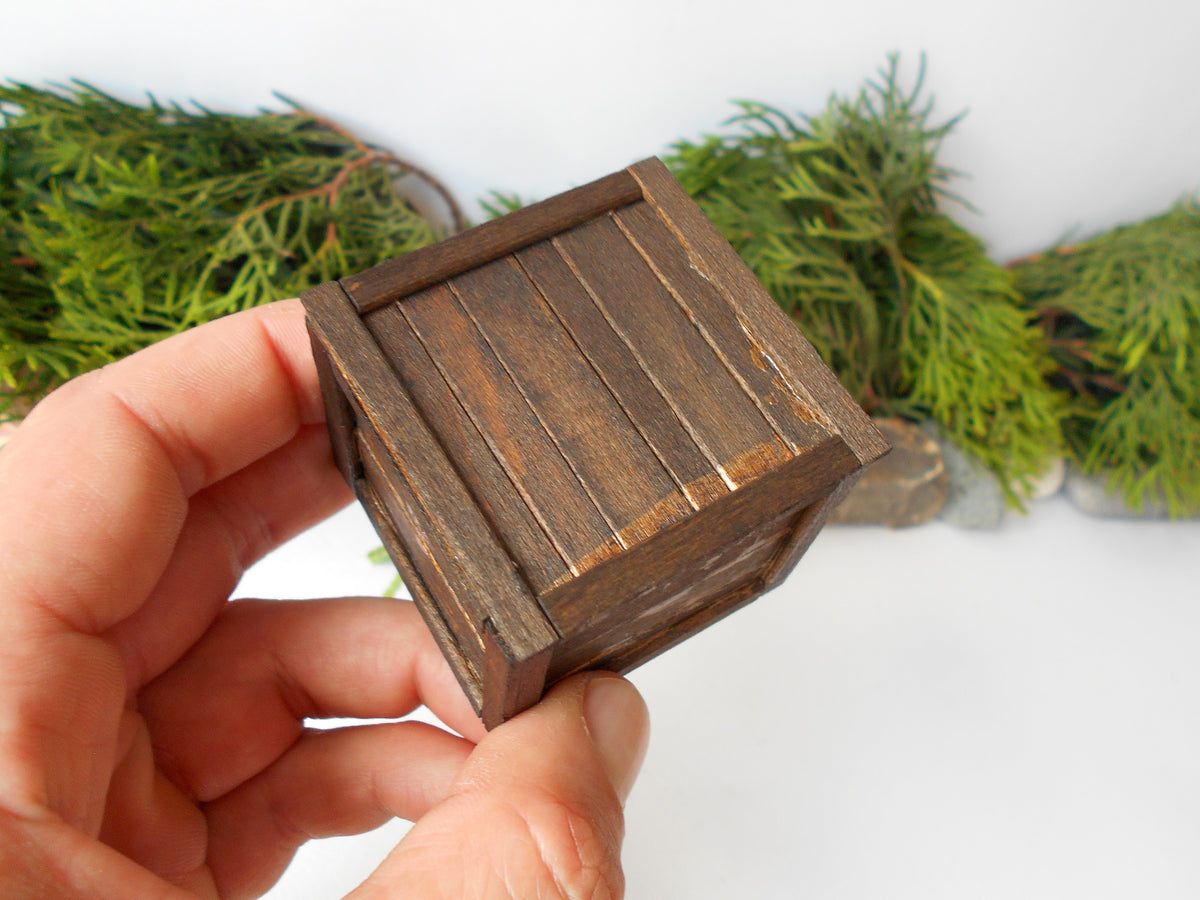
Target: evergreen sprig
point(838, 214)
point(1122, 311)
point(121, 224)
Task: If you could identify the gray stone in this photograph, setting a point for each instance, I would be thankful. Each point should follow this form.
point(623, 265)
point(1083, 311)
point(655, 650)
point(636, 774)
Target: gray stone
point(1092, 495)
point(976, 496)
point(1050, 482)
point(906, 487)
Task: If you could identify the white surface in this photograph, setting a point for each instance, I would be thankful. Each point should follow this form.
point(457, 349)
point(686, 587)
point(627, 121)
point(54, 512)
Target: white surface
point(920, 714)
point(1081, 113)
point(926, 713)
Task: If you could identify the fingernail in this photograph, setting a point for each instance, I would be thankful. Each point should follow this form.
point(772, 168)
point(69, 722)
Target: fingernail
point(620, 728)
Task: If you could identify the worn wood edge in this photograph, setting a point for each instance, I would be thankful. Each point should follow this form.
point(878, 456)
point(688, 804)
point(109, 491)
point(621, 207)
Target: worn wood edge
point(446, 640)
point(808, 525)
point(783, 344)
point(794, 426)
point(577, 559)
point(584, 597)
point(520, 616)
point(339, 415)
point(485, 243)
point(690, 625)
point(525, 537)
point(510, 684)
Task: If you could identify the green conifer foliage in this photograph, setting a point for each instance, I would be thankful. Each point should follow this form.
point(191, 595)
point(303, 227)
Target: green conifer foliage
point(838, 215)
point(122, 224)
point(1123, 314)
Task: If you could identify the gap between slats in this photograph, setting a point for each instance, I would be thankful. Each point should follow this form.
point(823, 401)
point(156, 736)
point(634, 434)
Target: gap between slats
point(573, 565)
point(546, 430)
point(682, 488)
point(682, 419)
point(770, 419)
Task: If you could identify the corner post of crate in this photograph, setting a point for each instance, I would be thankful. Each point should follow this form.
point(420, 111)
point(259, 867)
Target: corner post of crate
point(512, 682)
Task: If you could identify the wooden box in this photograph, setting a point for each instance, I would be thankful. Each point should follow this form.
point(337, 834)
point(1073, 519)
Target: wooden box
point(584, 431)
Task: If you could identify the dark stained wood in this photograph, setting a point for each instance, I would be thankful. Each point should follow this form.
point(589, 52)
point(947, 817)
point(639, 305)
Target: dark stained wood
point(514, 683)
point(339, 417)
point(525, 451)
point(509, 516)
point(446, 637)
point(495, 590)
point(413, 272)
point(800, 366)
point(653, 571)
point(719, 323)
point(616, 468)
point(584, 432)
point(725, 423)
point(620, 633)
point(616, 366)
point(808, 523)
point(451, 590)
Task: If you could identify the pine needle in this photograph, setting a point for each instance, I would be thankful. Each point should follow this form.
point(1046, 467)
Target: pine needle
point(123, 224)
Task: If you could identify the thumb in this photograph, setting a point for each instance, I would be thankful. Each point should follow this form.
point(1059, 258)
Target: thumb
point(537, 809)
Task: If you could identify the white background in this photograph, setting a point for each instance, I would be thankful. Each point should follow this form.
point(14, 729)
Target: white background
point(932, 713)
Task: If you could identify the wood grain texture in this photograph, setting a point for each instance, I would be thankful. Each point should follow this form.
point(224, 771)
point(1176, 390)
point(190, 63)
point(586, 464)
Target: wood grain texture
point(722, 420)
point(416, 271)
point(717, 320)
point(613, 639)
point(584, 432)
point(339, 417)
point(611, 460)
point(449, 587)
point(459, 532)
point(513, 683)
point(804, 531)
point(800, 367)
point(613, 361)
point(650, 573)
point(446, 637)
point(511, 519)
point(525, 451)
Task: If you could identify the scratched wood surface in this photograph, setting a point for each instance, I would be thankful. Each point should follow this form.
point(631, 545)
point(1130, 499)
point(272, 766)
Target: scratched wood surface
point(584, 431)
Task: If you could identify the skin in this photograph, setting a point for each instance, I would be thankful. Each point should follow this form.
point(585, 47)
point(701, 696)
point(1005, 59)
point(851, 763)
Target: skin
point(152, 739)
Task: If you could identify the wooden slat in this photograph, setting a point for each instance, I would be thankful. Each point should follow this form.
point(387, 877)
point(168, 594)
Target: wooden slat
point(719, 323)
point(494, 589)
point(339, 417)
point(617, 469)
point(525, 451)
point(446, 584)
point(618, 637)
point(498, 498)
point(800, 366)
point(615, 364)
point(420, 269)
point(445, 636)
point(651, 572)
point(808, 524)
point(720, 417)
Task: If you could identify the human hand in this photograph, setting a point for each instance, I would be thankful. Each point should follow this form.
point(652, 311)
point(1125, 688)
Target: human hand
point(152, 739)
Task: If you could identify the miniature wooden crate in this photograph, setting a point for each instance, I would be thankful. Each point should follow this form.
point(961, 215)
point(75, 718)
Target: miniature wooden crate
point(584, 432)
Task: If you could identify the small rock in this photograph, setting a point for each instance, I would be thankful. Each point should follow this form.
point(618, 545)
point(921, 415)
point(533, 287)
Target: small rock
point(1091, 494)
point(906, 487)
point(976, 497)
point(1050, 482)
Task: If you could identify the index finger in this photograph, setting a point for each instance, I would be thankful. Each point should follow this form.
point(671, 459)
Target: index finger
point(95, 484)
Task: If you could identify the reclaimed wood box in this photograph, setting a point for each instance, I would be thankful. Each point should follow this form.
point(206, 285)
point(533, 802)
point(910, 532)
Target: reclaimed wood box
point(583, 431)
